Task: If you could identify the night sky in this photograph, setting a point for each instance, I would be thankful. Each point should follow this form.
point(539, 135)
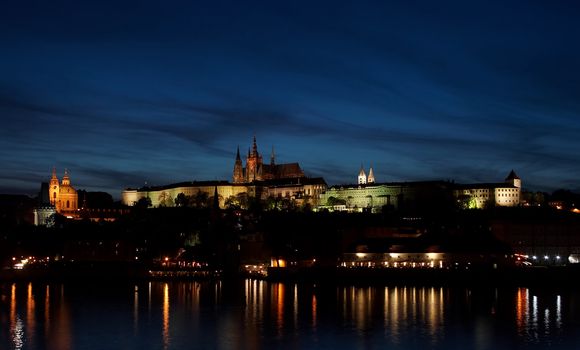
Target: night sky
point(126, 93)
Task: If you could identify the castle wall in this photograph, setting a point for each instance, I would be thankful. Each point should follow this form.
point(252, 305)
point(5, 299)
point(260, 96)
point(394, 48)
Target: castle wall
point(358, 198)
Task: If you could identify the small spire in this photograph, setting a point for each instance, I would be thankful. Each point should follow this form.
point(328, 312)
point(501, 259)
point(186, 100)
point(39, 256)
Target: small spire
point(272, 157)
point(371, 177)
point(362, 170)
point(512, 175)
point(254, 147)
point(54, 172)
point(238, 154)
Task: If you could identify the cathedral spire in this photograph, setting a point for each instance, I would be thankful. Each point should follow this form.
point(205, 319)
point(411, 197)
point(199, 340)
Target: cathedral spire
point(272, 157)
point(254, 147)
point(54, 172)
point(238, 168)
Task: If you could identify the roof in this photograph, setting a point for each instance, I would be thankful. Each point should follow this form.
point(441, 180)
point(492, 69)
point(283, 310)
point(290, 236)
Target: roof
point(296, 181)
point(275, 182)
point(512, 176)
point(490, 185)
point(185, 184)
point(396, 184)
point(286, 170)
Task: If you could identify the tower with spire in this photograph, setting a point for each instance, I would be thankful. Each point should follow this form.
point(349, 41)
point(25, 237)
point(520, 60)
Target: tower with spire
point(371, 177)
point(362, 176)
point(513, 179)
point(254, 164)
point(238, 169)
point(272, 158)
point(53, 186)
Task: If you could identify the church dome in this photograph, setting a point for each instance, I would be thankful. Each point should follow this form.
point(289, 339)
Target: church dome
point(67, 189)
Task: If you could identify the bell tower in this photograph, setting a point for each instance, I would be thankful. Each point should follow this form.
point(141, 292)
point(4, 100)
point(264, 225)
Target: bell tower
point(362, 176)
point(371, 177)
point(53, 188)
point(513, 179)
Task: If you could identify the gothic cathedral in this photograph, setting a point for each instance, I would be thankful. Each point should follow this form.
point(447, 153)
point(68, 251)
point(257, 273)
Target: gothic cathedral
point(256, 170)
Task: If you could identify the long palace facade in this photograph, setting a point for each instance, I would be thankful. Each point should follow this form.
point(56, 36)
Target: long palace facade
point(259, 180)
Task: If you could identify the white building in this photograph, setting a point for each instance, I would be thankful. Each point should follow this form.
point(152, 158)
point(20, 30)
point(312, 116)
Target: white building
point(503, 194)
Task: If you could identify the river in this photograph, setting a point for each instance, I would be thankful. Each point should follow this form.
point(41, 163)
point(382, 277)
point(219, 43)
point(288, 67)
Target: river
point(252, 314)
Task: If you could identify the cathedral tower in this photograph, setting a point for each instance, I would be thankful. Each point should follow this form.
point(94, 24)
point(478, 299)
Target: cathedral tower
point(254, 164)
point(272, 158)
point(238, 169)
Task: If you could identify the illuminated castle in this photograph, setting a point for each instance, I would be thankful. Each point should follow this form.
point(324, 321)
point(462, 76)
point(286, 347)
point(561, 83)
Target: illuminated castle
point(256, 170)
point(62, 195)
point(255, 180)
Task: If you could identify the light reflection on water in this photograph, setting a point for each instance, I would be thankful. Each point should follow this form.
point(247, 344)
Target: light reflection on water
point(255, 314)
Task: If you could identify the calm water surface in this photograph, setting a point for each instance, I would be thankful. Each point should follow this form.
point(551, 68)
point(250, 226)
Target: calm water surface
point(260, 315)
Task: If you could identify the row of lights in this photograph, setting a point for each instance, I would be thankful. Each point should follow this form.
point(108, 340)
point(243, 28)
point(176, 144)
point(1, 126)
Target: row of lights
point(546, 257)
point(430, 264)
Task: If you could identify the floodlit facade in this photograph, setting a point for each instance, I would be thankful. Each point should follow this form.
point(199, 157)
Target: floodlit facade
point(503, 194)
point(63, 196)
point(367, 195)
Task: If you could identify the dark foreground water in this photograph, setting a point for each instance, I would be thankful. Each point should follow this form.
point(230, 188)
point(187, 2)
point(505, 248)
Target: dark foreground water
point(260, 315)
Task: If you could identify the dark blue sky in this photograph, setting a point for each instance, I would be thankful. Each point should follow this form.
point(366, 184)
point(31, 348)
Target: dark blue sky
point(164, 91)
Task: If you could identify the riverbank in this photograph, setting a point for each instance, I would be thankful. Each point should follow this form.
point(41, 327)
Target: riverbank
point(516, 276)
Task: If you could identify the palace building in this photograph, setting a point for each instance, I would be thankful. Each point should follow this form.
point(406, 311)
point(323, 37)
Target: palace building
point(255, 180)
point(370, 196)
point(503, 194)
